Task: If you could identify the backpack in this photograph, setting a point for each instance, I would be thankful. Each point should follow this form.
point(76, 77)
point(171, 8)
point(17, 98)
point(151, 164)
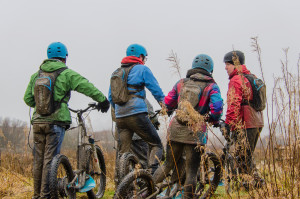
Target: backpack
point(44, 92)
point(119, 87)
point(191, 91)
point(259, 92)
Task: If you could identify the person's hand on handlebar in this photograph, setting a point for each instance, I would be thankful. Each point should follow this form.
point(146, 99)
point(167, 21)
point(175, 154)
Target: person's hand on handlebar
point(103, 106)
point(225, 129)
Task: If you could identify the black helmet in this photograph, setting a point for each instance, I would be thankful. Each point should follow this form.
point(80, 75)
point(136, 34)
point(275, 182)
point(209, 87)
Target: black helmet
point(228, 56)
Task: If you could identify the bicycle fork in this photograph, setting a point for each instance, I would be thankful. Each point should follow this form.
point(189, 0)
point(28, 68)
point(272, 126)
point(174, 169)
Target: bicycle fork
point(95, 160)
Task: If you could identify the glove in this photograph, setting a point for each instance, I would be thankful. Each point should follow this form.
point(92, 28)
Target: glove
point(225, 129)
point(103, 106)
point(170, 112)
point(156, 125)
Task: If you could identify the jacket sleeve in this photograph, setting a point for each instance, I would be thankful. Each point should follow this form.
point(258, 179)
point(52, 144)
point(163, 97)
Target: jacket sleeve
point(171, 100)
point(82, 85)
point(215, 103)
point(28, 96)
point(234, 100)
point(152, 85)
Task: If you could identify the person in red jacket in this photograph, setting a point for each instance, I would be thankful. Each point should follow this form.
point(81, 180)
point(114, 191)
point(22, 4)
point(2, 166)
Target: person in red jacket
point(242, 120)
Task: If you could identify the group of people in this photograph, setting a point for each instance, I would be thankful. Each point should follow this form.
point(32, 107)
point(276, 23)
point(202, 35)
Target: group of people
point(51, 116)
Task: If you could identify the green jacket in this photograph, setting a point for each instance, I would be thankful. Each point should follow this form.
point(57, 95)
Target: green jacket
point(67, 81)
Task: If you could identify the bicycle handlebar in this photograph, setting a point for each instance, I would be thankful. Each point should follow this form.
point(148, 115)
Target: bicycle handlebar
point(90, 105)
point(158, 111)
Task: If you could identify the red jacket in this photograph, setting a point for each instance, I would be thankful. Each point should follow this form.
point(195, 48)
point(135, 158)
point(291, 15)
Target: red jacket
point(239, 115)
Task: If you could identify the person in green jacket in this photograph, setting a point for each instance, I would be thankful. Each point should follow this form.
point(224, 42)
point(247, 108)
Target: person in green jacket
point(49, 127)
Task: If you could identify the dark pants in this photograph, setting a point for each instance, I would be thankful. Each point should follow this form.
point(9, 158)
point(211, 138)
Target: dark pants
point(142, 126)
point(138, 147)
point(47, 143)
point(245, 143)
point(174, 152)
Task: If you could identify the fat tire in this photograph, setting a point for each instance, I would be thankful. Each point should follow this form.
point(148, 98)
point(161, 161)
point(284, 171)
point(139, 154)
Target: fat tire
point(216, 178)
point(102, 185)
point(125, 160)
point(123, 189)
point(53, 182)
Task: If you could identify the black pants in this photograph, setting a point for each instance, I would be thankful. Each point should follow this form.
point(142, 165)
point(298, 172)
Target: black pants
point(245, 143)
point(174, 153)
point(142, 126)
point(138, 147)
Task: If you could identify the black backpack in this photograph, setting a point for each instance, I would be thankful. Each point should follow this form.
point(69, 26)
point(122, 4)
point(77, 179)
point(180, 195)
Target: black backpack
point(119, 87)
point(259, 92)
point(44, 92)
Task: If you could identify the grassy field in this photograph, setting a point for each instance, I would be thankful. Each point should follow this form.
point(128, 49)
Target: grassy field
point(16, 186)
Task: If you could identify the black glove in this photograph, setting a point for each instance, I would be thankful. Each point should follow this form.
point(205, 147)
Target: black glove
point(225, 129)
point(156, 125)
point(103, 106)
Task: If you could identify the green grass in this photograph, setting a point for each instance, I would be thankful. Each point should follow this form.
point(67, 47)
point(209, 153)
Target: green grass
point(221, 193)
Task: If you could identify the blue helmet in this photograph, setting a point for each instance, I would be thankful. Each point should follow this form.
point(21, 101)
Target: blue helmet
point(203, 61)
point(136, 50)
point(57, 49)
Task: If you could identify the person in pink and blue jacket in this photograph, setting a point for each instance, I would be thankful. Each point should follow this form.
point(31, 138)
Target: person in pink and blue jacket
point(180, 137)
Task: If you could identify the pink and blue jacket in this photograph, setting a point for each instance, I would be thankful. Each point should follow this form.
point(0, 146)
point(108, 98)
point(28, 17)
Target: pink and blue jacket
point(210, 100)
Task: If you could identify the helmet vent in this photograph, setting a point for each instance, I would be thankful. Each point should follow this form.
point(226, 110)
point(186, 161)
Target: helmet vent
point(59, 51)
point(207, 59)
point(206, 63)
point(58, 47)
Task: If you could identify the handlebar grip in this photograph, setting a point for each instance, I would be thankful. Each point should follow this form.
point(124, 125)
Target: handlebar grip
point(92, 104)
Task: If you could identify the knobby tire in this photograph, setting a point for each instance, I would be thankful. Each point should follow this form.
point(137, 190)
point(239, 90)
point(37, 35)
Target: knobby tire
point(54, 182)
point(134, 182)
point(126, 162)
point(213, 184)
point(101, 186)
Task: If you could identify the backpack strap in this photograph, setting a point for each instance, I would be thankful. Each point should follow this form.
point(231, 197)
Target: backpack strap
point(203, 87)
point(136, 87)
point(68, 94)
point(246, 102)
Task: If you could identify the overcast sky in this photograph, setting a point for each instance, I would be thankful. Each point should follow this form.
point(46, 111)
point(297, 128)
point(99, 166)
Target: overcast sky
point(97, 34)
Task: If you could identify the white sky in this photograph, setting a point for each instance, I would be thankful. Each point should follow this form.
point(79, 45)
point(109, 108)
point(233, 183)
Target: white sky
point(97, 34)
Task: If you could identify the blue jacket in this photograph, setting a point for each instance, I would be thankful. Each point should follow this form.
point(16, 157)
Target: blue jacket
point(138, 76)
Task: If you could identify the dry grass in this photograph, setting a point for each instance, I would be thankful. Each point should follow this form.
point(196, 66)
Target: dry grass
point(16, 173)
point(14, 185)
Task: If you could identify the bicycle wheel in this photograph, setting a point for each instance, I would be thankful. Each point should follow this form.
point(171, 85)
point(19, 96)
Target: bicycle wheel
point(60, 175)
point(100, 179)
point(136, 184)
point(210, 175)
point(127, 164)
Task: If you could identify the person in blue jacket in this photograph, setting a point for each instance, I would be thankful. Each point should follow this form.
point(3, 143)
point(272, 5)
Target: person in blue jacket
point(132, 117)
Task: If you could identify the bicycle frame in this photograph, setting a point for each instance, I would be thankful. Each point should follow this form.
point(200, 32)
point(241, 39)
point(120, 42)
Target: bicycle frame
point(84, 140)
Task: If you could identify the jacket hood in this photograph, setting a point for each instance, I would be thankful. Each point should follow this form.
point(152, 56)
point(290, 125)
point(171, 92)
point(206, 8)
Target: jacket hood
point(131, 60)
point(50, 65)
point(243, 69)
point(199, 74)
